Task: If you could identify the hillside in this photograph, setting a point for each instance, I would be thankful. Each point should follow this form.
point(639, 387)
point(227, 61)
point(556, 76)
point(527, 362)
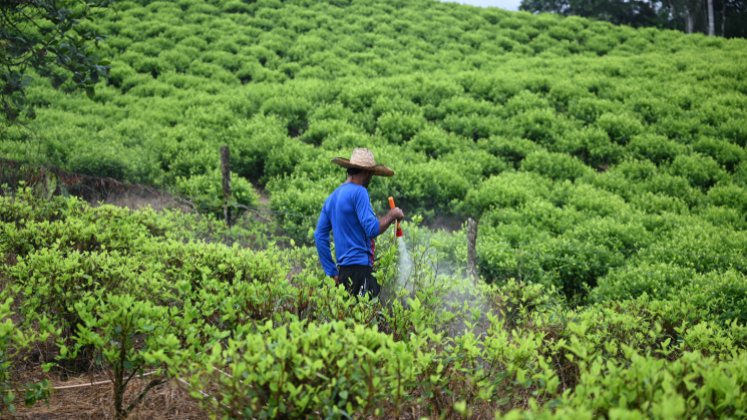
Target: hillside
point(606, 166)
point(288, 85)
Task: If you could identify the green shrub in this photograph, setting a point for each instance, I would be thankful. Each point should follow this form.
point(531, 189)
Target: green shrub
point(128, 335)
point(591, 145)
point(659, 203)
point(511, 251)
point(590, 200)
point(627, 238)
point(270, 381)
point(718, 296)
point(734, 131)
point(574, 266)
point(251, 143)
point(206, 192)
point(102, 160)
point(541, 126)
point(637, 171)
point(298, 202)
point(509, 189)
point(285, 158)
point(621, 128)
point(556, 166)
point(536, 213)
point(700, 246)
point(476, 164)
point(588, 110)
point(60, 279)
point(321, 130)
point(293, 112)
point(397, 127)
point(728, 155)
point(728, 195)
point(631, 391)
point(656, 280)
point(430, 187)
point(511, 150)
point(723, 217)
point(656, 148)
point(701, 171)
point(740, 175)
point(473, 126)
point(435, 142)
point(673, 186)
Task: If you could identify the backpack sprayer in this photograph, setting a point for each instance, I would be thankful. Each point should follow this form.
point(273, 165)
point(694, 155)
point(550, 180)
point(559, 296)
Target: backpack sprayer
point(399, 228)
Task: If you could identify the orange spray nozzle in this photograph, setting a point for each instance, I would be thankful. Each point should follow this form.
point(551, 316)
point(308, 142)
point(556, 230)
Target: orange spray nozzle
point(399, 228)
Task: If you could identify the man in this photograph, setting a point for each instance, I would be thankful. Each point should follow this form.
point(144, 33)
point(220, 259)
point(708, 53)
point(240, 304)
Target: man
point(348, 214)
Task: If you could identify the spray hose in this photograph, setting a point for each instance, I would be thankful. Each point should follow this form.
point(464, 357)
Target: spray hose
point(399, 228)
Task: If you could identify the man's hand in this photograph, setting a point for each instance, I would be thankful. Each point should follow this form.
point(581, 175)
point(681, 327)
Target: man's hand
point(392, 215)
point(337, 280)
point(396, 213)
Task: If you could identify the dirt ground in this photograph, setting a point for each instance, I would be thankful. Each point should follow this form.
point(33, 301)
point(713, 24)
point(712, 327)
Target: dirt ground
point(78, 399)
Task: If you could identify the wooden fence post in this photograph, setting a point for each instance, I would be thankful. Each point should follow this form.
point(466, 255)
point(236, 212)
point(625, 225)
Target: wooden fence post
point(471, 249)
point(225, 169)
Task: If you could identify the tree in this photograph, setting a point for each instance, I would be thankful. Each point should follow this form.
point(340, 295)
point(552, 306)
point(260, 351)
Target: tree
point(52, 38)
point(634, 12)
point(685, 15)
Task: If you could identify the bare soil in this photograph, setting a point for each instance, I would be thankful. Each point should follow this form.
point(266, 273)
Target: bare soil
point(167, 401)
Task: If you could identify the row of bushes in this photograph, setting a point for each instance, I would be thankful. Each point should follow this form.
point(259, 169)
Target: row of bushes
point(267, 335)
point(188, 77)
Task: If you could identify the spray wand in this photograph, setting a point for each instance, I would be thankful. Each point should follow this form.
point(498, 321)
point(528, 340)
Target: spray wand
point(399, 228)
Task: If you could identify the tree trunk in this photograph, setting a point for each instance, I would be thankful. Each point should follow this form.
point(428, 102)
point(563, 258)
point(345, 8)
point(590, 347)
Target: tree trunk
point(711, 19)
point(689, 24)
point(723, 18)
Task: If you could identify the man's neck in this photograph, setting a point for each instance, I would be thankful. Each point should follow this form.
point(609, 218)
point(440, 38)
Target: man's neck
point(356, 180)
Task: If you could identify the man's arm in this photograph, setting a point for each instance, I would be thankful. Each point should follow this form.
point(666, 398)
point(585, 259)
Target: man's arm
point(372, 225)
point(321, 238)
point(386, 220)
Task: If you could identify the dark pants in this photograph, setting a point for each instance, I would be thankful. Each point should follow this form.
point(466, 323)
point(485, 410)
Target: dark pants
point(359, 280)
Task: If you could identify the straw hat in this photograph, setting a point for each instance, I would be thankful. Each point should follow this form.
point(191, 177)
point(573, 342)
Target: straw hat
point(363, 159)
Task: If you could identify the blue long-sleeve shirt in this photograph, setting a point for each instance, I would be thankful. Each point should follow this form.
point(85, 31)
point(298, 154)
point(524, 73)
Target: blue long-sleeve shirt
point(347, 213)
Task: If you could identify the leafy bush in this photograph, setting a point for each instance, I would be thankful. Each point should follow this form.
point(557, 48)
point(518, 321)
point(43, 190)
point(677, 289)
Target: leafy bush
point(720, 297)
point(621, 128)
point(657, 149)
point(702, 171)
point(657, 280)
point(556, 166)
point(435, 142)
point(102, 161)
point(274, 382)
point(509, 189)
point(251, 144)
point(700, 246)
point(206, 192)
point(728, 155)
point(128, 335)
point(510, 150)
point(298, 203)
point(293, 112)
point(435, 186)
point(730, 196)
point(591, 145)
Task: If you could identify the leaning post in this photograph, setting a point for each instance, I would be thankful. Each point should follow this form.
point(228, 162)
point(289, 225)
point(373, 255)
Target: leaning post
point(225, 170)
point(471, 249)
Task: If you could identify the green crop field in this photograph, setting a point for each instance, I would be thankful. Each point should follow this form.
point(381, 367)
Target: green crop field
point(605, 165)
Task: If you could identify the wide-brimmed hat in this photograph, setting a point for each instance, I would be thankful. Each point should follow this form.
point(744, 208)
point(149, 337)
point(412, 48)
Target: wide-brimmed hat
point(363, 159)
